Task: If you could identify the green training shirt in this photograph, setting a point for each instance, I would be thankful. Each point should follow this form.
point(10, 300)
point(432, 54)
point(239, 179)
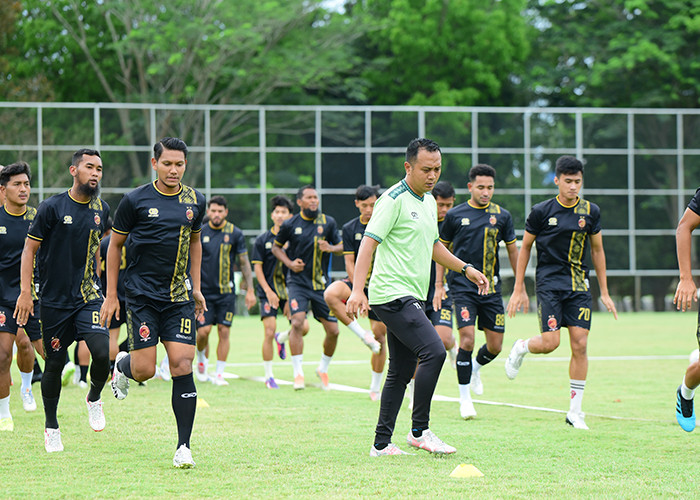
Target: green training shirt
point(405, 225)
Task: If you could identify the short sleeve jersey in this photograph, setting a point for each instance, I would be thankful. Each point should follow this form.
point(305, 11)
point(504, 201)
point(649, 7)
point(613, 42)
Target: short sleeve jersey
point(219, 249)
point(303, 236)
point(69, 232)
point(405, 225)
point(694, 204)
point(474, 234)
point(104, 246)
point(13, 232)
point(159, 226)
point(561, 235)
point(272, 268)
point(353, 231)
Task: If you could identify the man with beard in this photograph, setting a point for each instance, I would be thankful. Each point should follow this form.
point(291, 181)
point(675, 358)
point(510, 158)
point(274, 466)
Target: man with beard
point(66, 233)
point(312, 236)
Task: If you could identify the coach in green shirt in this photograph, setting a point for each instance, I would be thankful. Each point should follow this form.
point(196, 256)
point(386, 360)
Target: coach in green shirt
point(404, 232)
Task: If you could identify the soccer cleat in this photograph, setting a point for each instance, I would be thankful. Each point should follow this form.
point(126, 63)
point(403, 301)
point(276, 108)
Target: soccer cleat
point(96, 416)
point(452, 354)
point(219, 380)
point(685, 412)
point(271, 384)
point(28, 400)
point(281, 350)
point(6, 424)
point(201, 372)
point(323, 376)
point(391, 449)
point(372, 343)
point(576, 421)
point(299, 383)
point(430, 442)
point(67, 373)
point(515, 360)
point(475, 383)
point(82, 384)
point(119, 382)
point(183, 458)
point(52, 440)
point(466, 409)
point(282, 337)
point(374, 396)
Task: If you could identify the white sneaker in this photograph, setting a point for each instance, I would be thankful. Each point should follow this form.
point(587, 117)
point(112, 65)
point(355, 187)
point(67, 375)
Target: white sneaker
point(452, 354)
point(82, 384)
point(119, 382)
point(165, 371)
point(28, 400)
point(372, 343)
point(576, 420)
point(219, 380)
point(391, 449)
point(515, 359)
point(430, 442)
point(183, 458)
point(96, 416)
point(466, 409)
point(67, 373)
point(475, 383)
point(52, 440)
point(201, 372)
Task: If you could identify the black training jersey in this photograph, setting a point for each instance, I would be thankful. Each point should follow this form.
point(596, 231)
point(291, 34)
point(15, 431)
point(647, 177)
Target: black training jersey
point(474, 234)
point(694, 204)
point(13, 233)
point(272, 268)
point(353, 231)
point(69, 232)
point(104, 245)
point(561, 235)
point(303, 236)
point(159, 226)
point(219, 249)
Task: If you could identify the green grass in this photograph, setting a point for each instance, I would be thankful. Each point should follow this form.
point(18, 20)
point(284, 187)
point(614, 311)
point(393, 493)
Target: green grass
point(255, 443)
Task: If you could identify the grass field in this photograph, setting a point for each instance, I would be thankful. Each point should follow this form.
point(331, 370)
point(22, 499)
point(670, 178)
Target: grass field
point(251, 442)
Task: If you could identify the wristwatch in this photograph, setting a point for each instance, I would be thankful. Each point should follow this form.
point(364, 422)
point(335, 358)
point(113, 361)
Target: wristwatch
point(464, 269)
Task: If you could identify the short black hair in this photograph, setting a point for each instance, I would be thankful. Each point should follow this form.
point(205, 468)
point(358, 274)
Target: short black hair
point(18, 168)
point(218, 200)
point(172, 143)
point(443, 189)
point(78, 155)
point(300, 191)
point(364, 191)
point(281, 201)
point(416, 145)
point(568, 165)
point(481, 169)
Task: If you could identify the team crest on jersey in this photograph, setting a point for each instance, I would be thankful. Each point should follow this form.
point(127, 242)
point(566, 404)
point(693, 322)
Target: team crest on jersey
point(267, 308)
point(3, 318)
point(414, 215)
point(552, 221)
point(67, 219)
point(319, 229)
point(552, 323)
point(493, 220)
point(144, 332)
point(358, 236)
point(464, 313)
point(226, 238)
point(466, 221)
point(3, 230)
point(153, 212)
point(294, 304)
point(582, 222)
point(55, 344)
point(189, 213)
point(97, 219)
point(297, 230)
point(205, 239)
point(268, 245)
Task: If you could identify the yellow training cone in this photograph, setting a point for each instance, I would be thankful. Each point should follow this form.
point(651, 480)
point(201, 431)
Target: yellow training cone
point(466, 470)
point(203, 404)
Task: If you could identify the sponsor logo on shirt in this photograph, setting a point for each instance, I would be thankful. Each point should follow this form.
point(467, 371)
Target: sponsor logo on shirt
point(205, 239)
point(465, 221)
point(268, 245)
point(153, 212)
point(552, 221)
point(414, 215)
point(297, 230)
point(3, 230)
point(358, 236)
point(67, 219)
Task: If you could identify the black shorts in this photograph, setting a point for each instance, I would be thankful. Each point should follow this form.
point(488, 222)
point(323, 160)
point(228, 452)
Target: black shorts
point(443, 317)
point(300, 297)
point(61, 327)
point(149, 320)
point(8, 323)
point(370, 314)
point(266, 309)
point(220, 309)
point(117, 323)
point(488, 308)
point(557, 309)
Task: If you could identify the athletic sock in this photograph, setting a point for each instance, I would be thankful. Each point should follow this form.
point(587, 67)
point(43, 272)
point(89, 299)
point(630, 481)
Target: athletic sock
point(124, 346)
point(357, 329)
point(577, 387)
point(26, 380)
point(296, 364)
point(201, 356)
point(51, 390)
point(464, 393)
point(464, 367)
point(376, 383)
point(418, 431)
point(111, 366)
point(323, 364)
point(268, 369)
point(380, 446)
point(523, 347)
point(184, 401)
point(5, 407)
point(37, 367)
point(220, 367)
point(484, 356)
point(83, 372)
point(687, 392)
point(124, 366)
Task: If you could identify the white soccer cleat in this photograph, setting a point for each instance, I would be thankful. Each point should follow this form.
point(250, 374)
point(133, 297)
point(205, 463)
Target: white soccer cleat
point(52, 440)
point(82, 384)
point(28, 401)
point(515, 358)
point(96, 415)
point(452, 354)
point(323, 377)
point(219, 380)
point(466, 409)
point(576, 421)
point(372, 343)
point(391, 449)
point(119, 382)
point(282, 337)
point(201, 372)
point(299, 383)
point(475, 383)
point(183, 458)
point(430, 442)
